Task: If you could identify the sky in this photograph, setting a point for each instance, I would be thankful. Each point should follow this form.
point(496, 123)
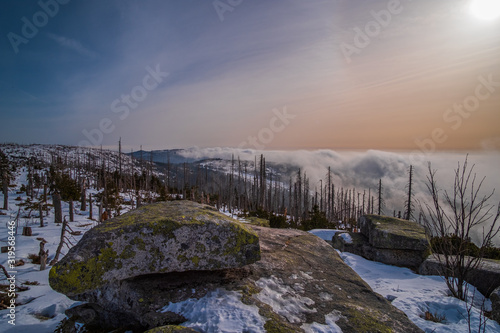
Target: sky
point(289, 74)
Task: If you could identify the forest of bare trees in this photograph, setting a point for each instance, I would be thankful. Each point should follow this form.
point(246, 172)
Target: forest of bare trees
point(245, 188)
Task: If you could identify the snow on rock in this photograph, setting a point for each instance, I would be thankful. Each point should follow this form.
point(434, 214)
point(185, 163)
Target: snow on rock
point(415, 294)
point(324, 234)
point(346, 237)
point(329, 327)
point(284, 300)
point(219, 311)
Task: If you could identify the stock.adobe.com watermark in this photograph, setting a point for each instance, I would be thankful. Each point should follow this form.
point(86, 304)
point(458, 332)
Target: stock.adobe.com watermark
point(265, 136)
point(224, 6)
point(11, 278)
point(30, 27)
point(122, 106)
point(364, 36)
point(455, 115)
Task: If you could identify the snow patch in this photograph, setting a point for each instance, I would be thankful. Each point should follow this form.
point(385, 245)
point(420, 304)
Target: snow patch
point(329, 327)
point(325, 296)
point(324, 234)
point(346, 237)
point(283, 299)
point(415, 294)
point(219, 311)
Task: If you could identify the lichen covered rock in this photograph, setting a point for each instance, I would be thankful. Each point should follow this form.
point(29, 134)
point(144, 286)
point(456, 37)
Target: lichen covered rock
point(164, 237)
point(385, 232)
point(171, 329)
point(388, 240)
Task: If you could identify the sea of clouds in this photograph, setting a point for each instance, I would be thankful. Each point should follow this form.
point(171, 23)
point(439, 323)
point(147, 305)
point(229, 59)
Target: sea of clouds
point(363, 169)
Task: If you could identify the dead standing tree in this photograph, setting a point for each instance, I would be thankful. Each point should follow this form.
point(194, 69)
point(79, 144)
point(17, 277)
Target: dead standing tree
point(452, 221)
point(64, 240)
point(56, 200)
point(409, 201)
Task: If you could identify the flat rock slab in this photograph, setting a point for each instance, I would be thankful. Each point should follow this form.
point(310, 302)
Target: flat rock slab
point(486, 277)
point(171, 329)
point(385, 232)
point(164, 237)
point(305, 270)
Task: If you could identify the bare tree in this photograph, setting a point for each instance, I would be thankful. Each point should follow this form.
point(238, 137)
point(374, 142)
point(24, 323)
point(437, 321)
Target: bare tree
point(451, 219)
point(63, 241)
point(56, 200)
point(409, 201)
point(380, 200)
point(43, 254)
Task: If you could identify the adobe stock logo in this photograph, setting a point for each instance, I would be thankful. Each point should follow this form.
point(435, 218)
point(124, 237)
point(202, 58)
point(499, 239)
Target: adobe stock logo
point(222, 7)
point(363, 37)
point(454, 116)
point(123, 105)
point(29, 29)
point(277, 124)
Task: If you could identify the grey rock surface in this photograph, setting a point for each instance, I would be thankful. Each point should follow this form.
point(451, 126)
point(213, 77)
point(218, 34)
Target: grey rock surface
point(388, 240)
point(297, 269)
point(485, 278)
point(385, 232)
point(164, 237)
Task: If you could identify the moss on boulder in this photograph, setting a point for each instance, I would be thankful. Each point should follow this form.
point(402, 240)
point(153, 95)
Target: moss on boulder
point(171, 329)
point(385, 232)
point(388, 240)
point(164, 237)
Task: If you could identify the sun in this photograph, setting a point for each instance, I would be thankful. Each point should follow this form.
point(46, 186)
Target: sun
point(485, 9)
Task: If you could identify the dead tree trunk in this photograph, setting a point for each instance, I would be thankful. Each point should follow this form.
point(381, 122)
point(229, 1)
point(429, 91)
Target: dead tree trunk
point(56, 200)
point(71, 211)
point(409, 202)
point(62, 242)
point(5, 190)
point(45, 193)
point(83, 206)
point(380, 201)
point(90, 207)
point(100, 212)
point(43, 255)
point(40, 211)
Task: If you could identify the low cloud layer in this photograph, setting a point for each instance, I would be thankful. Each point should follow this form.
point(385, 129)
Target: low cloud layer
point(362, 170)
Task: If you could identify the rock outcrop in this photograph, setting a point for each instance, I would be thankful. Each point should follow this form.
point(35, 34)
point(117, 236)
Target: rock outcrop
point(171, 329)
point(388, 240)
point(299, 280)
point(495, 304)
point(486, 277)
point(164, 237)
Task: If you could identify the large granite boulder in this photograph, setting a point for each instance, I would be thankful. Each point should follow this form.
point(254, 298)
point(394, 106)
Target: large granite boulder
point(385, 232)
point(386, 239)
point(165, 237)
point(299, 282)
point(486, 277)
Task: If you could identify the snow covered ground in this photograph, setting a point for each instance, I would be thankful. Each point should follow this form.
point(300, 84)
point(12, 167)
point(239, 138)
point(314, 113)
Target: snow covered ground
point(42, 308)
point(415, 294)
point(325, 234)
point(221, 311)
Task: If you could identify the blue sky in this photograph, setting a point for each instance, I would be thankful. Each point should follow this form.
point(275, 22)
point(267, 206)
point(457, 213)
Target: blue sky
point(226, 69)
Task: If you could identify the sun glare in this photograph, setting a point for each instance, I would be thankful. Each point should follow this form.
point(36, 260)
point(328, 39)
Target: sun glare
point(485, 9)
